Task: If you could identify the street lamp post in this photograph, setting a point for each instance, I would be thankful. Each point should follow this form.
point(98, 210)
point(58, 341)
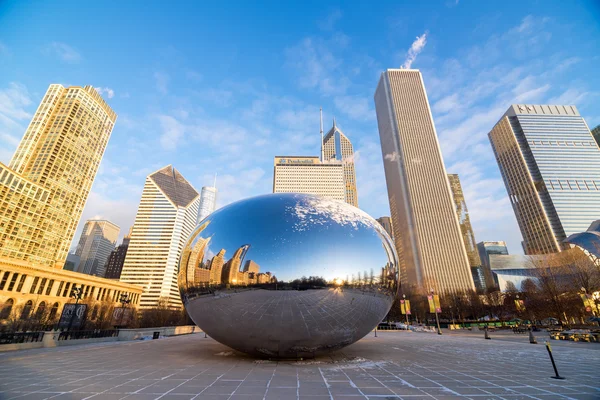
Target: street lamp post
point(405, 310)
point(77, 293)
point(123, 300)
point(437, 320)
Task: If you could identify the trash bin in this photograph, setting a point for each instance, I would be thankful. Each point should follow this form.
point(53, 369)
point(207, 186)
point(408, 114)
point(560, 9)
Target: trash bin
point(156, 335)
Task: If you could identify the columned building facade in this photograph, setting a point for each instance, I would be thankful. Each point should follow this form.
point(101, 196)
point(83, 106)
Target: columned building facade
point(27, 288)
point(165, 219)
point(428, 239)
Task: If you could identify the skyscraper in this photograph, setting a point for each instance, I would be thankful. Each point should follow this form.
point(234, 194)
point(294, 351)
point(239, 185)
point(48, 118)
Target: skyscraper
point(485, 249)
point(208, 201)
point(596, 134)
point(115, 262)
point(45, 187)
point(97, 241)
point(165, 219)
point(467, 231)
point(428, 237)
point(386, 222)
point(309, 175)
point(336, 146)
point(464, 221)
point(550, 165)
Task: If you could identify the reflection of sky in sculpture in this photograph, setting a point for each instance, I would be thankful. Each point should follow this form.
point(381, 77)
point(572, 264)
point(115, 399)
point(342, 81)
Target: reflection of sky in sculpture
point(288, 232)
point(288, 275)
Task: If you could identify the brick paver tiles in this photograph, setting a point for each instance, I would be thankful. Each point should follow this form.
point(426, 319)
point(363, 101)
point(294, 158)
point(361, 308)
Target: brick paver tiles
point(394, 365)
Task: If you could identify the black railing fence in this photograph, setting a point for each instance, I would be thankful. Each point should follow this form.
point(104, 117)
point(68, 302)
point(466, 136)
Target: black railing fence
point(20, 337)
point(71, 335)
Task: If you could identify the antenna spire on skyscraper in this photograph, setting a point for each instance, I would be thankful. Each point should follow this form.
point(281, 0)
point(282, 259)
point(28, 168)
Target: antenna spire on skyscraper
point(215, 182)
point(321, 116)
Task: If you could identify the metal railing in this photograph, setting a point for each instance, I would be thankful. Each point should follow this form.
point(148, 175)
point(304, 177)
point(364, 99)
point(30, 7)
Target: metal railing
point(20, 337)
point(74, 335)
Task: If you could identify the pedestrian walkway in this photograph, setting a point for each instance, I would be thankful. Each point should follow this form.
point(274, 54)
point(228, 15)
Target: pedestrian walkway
point(393, 365)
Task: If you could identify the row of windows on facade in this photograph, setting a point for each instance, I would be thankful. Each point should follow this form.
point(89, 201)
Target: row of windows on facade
point(47, 284)
point(26, 312)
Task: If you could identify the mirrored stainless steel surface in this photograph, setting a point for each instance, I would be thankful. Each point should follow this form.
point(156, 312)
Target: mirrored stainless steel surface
point(288, 275)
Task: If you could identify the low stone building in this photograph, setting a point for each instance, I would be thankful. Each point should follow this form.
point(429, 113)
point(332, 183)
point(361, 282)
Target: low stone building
point(34, 288)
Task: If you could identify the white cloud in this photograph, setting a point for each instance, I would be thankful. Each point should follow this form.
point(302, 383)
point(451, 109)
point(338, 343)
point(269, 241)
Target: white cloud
point(14, 103)
point(64, 52)
point(162, 81)
point(172, 132)
point(106, 90)
point(567, 63)
point(415, 49)
point(571, 96)
point(446, 104)
point(220, 97)
point(316, 66)
point(328, 23)
point(394, 156)
point(356, 107)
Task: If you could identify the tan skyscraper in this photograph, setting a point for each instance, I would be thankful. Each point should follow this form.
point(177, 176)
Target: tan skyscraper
point(427, 234)
point(336, 146)
point(45, 187)
point(165, 219)
point(309, 175)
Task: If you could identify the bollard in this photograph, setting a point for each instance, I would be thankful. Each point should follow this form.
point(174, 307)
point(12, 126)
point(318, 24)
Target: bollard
point(532, 338)
point(375, 331)
point(487, 335)
point(557, 376)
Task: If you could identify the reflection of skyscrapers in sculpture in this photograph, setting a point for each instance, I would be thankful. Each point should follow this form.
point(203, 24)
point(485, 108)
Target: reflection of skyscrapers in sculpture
point(215, 266)
point(97, 241)
point(165, 219)
point(468, 235)
point(309, 175)
point(336, 146)
point(231, 269)
point(428, 240)
point(550, 164)
point(208, 201)
point(386, 222)
point(45, 187)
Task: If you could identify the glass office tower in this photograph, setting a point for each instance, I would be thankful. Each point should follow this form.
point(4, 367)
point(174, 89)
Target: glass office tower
point(550, 164)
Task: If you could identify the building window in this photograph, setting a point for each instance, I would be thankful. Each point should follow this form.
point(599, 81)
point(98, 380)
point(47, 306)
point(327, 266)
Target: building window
point(49, 288)
point(40, 310)
point(6, 309)
point(4, 279)
point(42, 284)
point(53, 311)
point(13, 280)
point(27, 310)
point(60, 286)
point(34, 284)
point(21, 282)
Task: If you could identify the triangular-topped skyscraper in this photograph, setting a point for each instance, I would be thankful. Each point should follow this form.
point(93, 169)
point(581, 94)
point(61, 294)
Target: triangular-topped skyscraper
point(336, 146)
point(166, 217)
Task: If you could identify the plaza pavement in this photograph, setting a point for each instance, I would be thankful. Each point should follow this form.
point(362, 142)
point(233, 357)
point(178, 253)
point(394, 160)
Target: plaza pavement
point(393, 365)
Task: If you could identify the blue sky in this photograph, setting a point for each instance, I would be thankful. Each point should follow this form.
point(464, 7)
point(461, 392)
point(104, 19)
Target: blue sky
point(222, 89)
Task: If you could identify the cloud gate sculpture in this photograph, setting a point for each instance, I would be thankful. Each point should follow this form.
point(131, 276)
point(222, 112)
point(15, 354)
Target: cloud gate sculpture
point(288, 275)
